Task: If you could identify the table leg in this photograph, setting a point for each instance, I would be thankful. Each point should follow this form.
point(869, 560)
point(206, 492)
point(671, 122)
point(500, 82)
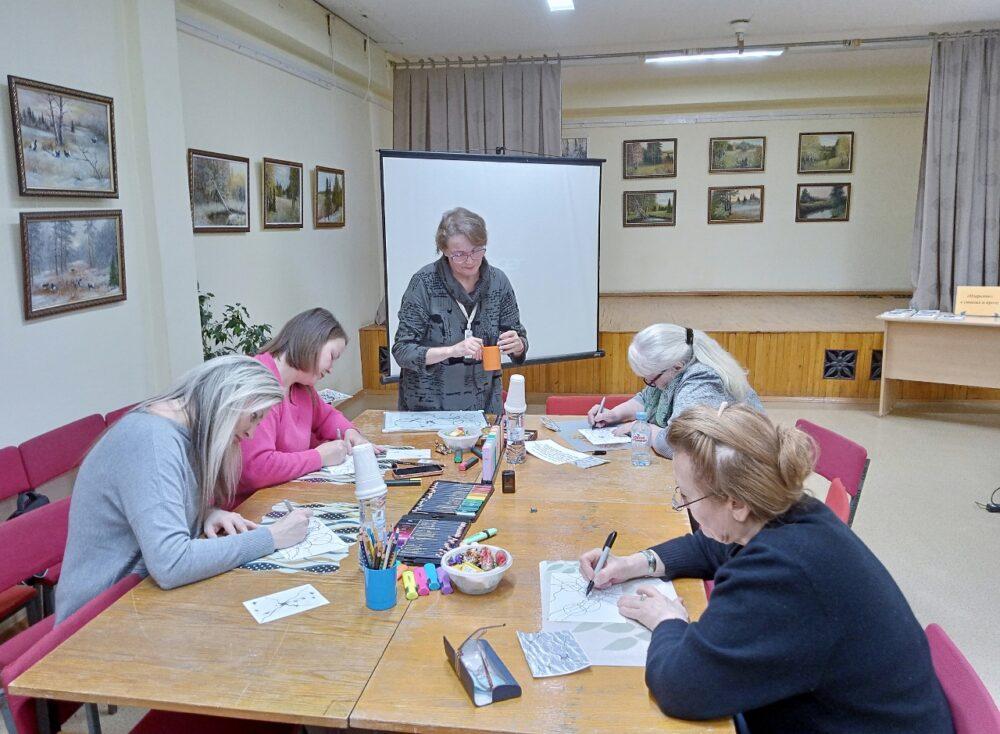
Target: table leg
point(93, 718)
point(888, 394)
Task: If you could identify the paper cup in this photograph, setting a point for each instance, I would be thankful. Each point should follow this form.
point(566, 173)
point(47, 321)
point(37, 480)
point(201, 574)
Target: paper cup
point(491, 359)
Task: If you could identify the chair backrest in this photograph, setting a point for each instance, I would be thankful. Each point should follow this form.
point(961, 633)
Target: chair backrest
point(838, 500)
point(115, 415)
point(61, 450)
point(22, 709)
point(839, 458)
point(972, 707)
point(13, 477)
point(33, 542)
point(580, 404)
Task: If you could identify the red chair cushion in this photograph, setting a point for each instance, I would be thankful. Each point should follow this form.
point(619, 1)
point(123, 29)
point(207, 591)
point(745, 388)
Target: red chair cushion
point(115, 415)
point(50, 576)
point(839, 457)
point(14, 598)
point(580, 404)
point(19, 644)
point(33, 542)
point(170, 722)
point(838, 500)
point(13, 478)
point(972, 707)
point(57, 452)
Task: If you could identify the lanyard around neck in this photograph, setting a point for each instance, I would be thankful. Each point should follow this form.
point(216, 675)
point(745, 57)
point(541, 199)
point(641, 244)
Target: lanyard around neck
point(468, 317)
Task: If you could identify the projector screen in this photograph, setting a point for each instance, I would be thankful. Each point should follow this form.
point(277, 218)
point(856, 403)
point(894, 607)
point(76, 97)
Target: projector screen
point(543, 223)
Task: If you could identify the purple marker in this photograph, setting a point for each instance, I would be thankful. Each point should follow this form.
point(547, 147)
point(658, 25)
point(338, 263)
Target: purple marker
point(444, 580)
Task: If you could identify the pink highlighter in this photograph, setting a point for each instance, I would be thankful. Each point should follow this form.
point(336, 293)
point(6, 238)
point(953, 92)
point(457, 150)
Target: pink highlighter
point(421, 576)
point(444, 580)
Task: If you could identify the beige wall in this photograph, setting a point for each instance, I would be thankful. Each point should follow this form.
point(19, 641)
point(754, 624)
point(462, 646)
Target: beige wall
point(881, 104)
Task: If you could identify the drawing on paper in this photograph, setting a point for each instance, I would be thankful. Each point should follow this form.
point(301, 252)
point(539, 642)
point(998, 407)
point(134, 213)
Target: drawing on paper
point(569, 602)
point(333, 528)
point(434, 420)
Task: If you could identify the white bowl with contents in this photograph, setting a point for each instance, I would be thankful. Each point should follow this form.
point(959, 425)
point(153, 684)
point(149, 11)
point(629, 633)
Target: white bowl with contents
point(475, 582)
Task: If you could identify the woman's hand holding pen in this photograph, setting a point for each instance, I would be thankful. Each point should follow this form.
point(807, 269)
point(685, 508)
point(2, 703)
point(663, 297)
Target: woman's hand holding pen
point(617, 569)
point(291, 529)
point(334, 452)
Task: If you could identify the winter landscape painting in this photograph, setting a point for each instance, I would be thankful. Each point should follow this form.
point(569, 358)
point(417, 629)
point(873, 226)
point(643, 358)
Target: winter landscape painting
point(72, 260)
point(64, 140)
point(219, 194)
point(328, 198)
point(282, 194)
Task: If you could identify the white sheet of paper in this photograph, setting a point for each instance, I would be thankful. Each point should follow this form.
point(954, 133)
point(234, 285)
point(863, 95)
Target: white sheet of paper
point(433, 420)
point(568, 603)
point(548, 450)
point(406, 454)
point(603, 436)
point(285, 603)
point(320, 539)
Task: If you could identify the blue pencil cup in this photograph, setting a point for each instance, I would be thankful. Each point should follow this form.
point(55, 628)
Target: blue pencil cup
point(380, 588)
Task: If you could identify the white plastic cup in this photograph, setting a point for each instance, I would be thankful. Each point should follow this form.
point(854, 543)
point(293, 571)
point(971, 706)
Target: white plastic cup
point(515, 395)
point(368, 480)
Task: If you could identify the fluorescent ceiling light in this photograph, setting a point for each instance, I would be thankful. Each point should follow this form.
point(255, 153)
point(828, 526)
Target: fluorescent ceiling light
point(556, 5)
point(683, 58)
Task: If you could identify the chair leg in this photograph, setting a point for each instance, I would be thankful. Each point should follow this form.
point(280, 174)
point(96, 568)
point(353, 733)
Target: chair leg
point(8, 717)
point(93, 718)
point(48, 599)
point(35, 610)
point(47, 715)
point(857, 497)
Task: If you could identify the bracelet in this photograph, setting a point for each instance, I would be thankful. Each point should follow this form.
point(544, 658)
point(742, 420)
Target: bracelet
point(651, 561)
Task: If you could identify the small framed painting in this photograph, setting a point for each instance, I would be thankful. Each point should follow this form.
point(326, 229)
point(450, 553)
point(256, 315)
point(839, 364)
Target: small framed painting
point(649, 158)
point(735, 205)
point(649, 208)
point(217, 185)
point(72, 260)
point(826, 152)
point(736, 155)
point(823, 202)
point(64, 140)
point(281, 194)
point(574, 147)
point(329, 200)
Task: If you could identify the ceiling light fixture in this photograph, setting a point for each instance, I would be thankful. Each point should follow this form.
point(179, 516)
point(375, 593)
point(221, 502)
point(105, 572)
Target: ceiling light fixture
point(557, 5)
point(686, 57)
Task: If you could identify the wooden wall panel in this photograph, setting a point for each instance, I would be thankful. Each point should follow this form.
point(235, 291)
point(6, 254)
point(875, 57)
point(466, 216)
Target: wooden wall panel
point(785, 364)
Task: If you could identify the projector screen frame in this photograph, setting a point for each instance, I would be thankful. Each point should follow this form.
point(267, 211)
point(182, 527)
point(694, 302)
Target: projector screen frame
point(384, 153)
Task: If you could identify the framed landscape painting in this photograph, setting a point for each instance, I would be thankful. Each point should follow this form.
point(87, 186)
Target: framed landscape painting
point(329, 200)
point(71, 260)
point(735, 205)
point(281, 193)
point(823, 202)
point(220, 198)
point(64, 140)
point(649, 208)
point(736, 155)
point(826, 152)
point(649, 158)
point(574, 147)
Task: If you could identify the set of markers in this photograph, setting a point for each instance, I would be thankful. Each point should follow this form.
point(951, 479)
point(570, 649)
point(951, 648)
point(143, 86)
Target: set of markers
point(422, 580)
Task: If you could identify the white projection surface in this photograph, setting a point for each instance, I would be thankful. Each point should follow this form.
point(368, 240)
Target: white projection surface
point(542, 218)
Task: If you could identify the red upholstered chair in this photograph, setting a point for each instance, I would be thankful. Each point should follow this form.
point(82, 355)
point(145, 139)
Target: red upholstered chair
point(972, 707)
point(115, 415)
point(838, 500)
point(33, 545)
point(580, 404)
point(13, 481)
point(13, 477)
point(839, 458)
point(61, 450)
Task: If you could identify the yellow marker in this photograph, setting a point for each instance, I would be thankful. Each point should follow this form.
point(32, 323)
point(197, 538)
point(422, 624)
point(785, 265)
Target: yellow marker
point(399, 571)
point(410, 584)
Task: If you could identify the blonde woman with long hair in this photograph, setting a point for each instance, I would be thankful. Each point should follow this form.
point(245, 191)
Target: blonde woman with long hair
point(682, 367)
point(158, 479)
point(806, 631)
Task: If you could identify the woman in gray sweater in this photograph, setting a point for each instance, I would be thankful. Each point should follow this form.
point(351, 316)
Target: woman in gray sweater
point(450, 310)
point(157, 479)
point(682, 368)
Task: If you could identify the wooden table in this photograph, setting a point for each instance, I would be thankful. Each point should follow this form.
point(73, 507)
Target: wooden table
point(196, 648)
point(963, 352)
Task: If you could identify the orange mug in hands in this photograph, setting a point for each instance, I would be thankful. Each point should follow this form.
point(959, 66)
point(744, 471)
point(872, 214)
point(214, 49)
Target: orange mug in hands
point(491, 359)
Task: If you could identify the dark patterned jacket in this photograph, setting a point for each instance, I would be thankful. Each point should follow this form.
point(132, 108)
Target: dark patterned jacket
point(430, 317)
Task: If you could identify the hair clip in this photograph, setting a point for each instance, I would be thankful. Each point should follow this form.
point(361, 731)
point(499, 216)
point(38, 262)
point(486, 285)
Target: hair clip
point(722, 408)
point(689, 335)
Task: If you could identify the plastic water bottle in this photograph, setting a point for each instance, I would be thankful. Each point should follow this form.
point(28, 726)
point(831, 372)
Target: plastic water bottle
point(515, 408)
point(640, 441)
point(371, 493)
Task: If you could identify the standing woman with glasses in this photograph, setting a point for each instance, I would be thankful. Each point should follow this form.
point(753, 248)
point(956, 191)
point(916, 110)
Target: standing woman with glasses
point(681, 367)
point(450, 310)
point(806, 631)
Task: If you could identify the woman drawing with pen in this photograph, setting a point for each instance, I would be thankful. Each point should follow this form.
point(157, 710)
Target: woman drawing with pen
point(302, 433)
point(806, 631)
point(159, 477)
point(450, 310)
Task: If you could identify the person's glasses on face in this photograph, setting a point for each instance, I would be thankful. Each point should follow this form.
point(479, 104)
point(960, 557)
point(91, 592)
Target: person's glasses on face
point(461, 257)
point(677, 499)
point(652, 382)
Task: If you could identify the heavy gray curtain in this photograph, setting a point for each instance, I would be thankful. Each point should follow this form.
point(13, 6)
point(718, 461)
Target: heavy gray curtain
point(956, 237)
point(477, 109)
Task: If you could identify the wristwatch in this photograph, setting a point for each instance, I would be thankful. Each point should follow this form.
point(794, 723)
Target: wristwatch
point(651, 560)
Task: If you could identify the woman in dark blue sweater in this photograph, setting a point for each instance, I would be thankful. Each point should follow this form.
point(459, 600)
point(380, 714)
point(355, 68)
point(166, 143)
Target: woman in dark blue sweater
point(806, 630)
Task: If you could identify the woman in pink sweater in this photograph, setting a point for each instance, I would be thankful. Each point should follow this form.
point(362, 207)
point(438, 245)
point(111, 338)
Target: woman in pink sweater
point(302, 433)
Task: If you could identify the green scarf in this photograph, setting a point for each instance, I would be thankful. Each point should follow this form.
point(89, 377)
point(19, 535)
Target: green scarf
point(658, 404)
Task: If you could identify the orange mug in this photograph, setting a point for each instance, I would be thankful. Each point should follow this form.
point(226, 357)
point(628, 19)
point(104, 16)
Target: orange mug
point(491, 359)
